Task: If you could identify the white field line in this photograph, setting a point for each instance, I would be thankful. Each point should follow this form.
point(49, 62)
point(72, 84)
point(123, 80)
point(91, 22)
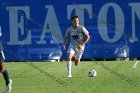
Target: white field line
point(135, 64)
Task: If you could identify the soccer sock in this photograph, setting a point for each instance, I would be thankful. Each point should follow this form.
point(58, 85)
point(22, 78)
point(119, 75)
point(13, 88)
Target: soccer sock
point(69, 64)
point(6, 77)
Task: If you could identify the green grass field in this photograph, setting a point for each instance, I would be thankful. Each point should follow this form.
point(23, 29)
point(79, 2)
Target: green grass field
point(50, 77)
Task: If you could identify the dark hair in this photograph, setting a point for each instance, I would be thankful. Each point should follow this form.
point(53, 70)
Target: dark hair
point(73, 17)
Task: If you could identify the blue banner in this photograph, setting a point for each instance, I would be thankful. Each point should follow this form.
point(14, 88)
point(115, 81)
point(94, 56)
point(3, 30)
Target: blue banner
point(34, 29)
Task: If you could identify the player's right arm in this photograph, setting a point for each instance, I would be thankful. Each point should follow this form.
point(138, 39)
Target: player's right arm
point(66, 39)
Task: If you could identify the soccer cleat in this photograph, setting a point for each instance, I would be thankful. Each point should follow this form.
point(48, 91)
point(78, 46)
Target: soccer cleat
point(9, 87)
point(69, 76)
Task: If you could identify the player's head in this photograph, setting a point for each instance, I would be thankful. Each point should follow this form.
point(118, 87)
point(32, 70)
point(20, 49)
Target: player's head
point(75, 21)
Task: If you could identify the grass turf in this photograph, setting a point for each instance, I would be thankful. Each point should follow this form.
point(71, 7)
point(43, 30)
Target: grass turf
point(50, 77)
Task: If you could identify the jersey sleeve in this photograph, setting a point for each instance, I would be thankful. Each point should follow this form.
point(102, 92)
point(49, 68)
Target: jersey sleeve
point(67, 32)
point(85, 31)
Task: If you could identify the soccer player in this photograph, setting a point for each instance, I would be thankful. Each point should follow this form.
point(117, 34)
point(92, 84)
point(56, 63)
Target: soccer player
point(3, 70)
point(79, 36)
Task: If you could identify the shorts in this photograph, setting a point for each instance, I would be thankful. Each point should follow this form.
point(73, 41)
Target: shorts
point(76, 51)
point(2, 57)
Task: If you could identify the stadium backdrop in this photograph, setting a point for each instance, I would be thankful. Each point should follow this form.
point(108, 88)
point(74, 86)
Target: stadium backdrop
point(34, 29)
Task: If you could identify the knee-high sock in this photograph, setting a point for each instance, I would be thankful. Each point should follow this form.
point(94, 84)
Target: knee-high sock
point(6, 77)
point(69, 64)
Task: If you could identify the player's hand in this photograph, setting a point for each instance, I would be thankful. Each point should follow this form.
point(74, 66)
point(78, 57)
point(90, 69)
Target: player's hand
point(81, 46)
point(63, 47)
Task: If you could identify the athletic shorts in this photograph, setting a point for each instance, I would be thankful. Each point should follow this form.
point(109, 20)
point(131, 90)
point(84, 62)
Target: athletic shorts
point(76, 51)
point(2, 57)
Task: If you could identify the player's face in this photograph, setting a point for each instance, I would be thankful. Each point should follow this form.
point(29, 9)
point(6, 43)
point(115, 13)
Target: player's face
point(75, 22)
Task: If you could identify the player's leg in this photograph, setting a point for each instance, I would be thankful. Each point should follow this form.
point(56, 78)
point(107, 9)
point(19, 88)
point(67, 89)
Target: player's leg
point(70, 54)
point(69, 63)
point(77, 62)
point(78, 55)
point(5, 73)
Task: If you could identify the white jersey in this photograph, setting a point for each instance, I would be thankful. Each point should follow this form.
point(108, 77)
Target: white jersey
point(77, 35)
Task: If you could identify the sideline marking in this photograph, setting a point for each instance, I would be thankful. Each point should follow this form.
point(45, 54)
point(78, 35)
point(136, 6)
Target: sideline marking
point(134, 66)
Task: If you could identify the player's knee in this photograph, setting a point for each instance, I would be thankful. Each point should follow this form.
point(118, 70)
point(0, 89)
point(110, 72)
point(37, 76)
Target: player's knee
point(2, 69)
point(68, 59)
point(69, 56)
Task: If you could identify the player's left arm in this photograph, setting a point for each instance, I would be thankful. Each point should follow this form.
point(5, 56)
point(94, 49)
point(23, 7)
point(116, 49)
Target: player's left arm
point(86, 39)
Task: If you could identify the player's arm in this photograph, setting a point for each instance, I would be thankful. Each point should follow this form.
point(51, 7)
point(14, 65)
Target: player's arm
point(87, 37)
point(65, 40)
point(85, 40)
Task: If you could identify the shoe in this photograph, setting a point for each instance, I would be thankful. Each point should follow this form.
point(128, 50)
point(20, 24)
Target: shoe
point(69, 76)
point(9, 87)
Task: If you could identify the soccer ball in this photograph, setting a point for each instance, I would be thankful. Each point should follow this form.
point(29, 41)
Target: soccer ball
point(92, 73)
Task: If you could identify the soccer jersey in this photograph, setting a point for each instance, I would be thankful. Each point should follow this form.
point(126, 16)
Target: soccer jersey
point(77, 35)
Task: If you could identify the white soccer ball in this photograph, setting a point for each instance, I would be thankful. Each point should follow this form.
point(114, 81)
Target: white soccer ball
point(92, 73)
